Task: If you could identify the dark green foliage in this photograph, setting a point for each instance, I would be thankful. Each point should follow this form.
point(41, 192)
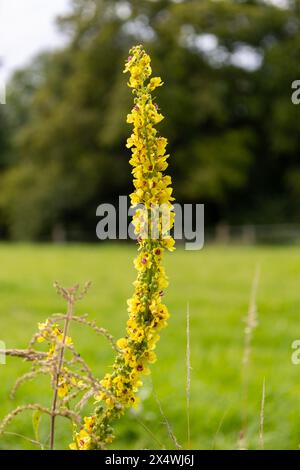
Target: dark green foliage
point(233, 130)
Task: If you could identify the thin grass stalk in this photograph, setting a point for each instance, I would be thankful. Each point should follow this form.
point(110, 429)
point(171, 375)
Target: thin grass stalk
point(74, 417)
point(188, 374)
point(167, 423)
point(251, 324)
point(148, 430)
point(262, 416)
point(26, 354)
point(32, 441)
point(219, 429)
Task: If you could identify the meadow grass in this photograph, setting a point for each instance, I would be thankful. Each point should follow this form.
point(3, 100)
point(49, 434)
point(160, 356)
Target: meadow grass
point(216, 283)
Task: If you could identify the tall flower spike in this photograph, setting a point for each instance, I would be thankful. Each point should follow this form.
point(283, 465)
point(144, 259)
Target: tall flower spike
point(154, 216)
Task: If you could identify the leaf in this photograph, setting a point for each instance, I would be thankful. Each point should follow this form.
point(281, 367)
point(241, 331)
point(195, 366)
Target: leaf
point(36, 420)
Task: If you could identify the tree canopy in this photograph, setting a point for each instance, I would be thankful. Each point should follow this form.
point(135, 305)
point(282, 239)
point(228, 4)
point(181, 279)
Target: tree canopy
point(233, 133)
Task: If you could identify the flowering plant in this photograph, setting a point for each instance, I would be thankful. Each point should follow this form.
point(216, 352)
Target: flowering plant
point(147, 312)
point(153, 220)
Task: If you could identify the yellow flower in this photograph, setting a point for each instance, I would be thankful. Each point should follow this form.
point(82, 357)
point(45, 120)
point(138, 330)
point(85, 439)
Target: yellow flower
point(63, 390)
point(135, 305)
point(169, 243)
point(82, 441)
point(154, 83)
point(150, 357)
point(122, 343)
point(137, 334)
point(109, 402)
point(143, 262)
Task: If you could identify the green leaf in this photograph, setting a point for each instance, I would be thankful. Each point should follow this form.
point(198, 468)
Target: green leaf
point(36, 420)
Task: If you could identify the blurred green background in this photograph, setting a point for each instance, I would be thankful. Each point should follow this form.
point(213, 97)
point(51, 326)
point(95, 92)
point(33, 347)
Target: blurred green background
point(216, 282)
point(233, 132)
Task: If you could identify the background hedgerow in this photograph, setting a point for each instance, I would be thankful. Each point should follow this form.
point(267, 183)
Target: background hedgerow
point(218, 293)
point(229, 66)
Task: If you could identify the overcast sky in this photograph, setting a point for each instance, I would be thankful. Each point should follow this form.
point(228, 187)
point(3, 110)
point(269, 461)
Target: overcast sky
point(26, 27)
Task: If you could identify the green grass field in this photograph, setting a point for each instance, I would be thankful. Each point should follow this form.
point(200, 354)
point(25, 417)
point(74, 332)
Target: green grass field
point(216, 282)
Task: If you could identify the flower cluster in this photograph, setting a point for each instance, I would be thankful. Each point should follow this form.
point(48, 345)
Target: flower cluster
point(53, 335)
point(83, 438)
point(153, 220)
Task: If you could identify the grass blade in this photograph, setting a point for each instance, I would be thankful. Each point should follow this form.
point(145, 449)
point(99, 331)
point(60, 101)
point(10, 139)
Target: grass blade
point(188, 374)
point(262, 416)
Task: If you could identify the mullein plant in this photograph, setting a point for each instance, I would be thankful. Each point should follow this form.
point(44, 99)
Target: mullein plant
point(73, 383)
point(153, 220)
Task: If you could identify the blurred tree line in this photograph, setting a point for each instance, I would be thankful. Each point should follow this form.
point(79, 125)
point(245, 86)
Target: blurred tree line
point(228, 67)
